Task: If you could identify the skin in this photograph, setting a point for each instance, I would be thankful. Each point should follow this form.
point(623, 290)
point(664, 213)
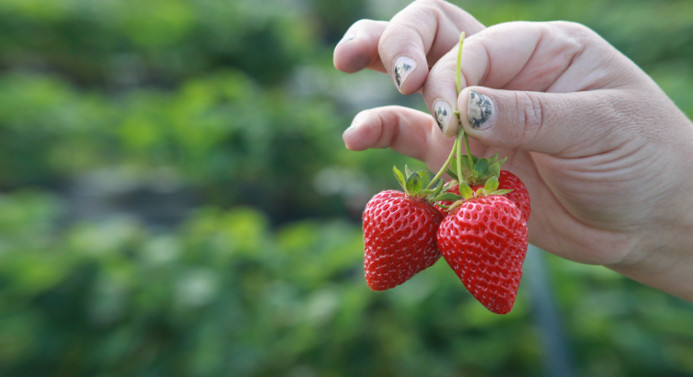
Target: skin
point(604, 153)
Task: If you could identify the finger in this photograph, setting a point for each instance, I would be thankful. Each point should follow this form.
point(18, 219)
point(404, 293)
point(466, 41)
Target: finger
point(440, 93)
point(418, 36)
point(561, 124)
point(407, 131)
point(358, 49)
point(517, 55)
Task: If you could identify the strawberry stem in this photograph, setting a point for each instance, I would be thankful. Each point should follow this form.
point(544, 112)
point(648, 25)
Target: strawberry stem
point(461, 138)
point(470, 157)
point(443, 168)
point(461, 133)
point(458, 145)
point(456, 151)
point(459, 64)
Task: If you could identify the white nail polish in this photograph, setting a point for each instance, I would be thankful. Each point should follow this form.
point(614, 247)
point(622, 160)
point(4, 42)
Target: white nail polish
point(481, 111)
point(403, 67)
point(443, 114)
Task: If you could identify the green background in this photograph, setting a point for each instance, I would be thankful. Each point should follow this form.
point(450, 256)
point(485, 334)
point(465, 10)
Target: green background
point(175, 200)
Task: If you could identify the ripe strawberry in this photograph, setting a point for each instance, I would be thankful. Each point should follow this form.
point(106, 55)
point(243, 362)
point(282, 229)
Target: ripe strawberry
point(399, 238)
point(506, 181)
point(518, 195)
point(484, 241)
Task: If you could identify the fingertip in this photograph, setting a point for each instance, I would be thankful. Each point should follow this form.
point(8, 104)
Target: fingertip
point(351, 140)
point(350, 54)
point(440, 93)
point(347, 37)
point(358, 48)
point(358, 135)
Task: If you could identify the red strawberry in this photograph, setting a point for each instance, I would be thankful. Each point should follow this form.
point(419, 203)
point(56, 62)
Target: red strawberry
point(399, 238)
point(506, 181)
point(518, 195)
point(484, 240)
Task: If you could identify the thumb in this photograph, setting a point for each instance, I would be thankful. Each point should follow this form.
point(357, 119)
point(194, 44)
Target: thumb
point(550, 123)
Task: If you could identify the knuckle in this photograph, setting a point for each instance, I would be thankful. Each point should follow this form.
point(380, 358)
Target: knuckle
point(531, 110)
point(432, 4)
point(573, 33)
point(569, 27)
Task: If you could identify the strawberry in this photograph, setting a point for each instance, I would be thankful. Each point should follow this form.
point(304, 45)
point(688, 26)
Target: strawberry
point(484, 240)
point(399, 238)
point(518, 195)
point(506, 181)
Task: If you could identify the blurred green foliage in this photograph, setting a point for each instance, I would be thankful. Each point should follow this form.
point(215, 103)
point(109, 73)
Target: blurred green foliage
point(175, 200)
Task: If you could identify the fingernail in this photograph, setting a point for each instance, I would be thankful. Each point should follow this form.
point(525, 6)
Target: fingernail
point(403, 67)
point(481, 111)
point(351, 128)
point(443, 114)
point(347, 37)
point(358, 120)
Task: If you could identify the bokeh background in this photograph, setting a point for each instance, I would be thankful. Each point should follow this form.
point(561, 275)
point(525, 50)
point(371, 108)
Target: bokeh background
point(175, 200)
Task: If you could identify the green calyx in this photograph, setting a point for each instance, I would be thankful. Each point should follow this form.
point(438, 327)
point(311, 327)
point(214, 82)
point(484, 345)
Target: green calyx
point(490, 187)
point(475, 171)
point(418, 184)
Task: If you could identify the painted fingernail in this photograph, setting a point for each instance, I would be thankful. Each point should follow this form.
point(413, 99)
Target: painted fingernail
point(481, 111)
point(403, 67)
point(347, 37)
point(443, 114)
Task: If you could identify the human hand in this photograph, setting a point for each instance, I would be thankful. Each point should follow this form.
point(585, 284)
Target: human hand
point(604, 153)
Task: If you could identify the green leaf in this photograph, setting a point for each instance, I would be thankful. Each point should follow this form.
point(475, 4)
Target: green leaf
point(425, 177)
point(436, 189)
point(491, 185)
point(467, 165)
point(414, 184)
point(466, 191)
point(494, 165)
point(400, 177)
point(481, 167)
point(407, 171)
point(494, 170)
point(501, 192)
point(494, 159)
point(449, 185)
point(447, 197)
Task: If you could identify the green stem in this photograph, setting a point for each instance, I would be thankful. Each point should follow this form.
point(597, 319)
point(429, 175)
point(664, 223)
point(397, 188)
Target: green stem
point(459, 64)
point(470, 158)
point(458, 145)
point(461, 132)
point(445, 166)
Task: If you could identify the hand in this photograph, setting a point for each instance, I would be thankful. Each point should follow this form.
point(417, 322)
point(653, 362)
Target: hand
point(604, 153)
